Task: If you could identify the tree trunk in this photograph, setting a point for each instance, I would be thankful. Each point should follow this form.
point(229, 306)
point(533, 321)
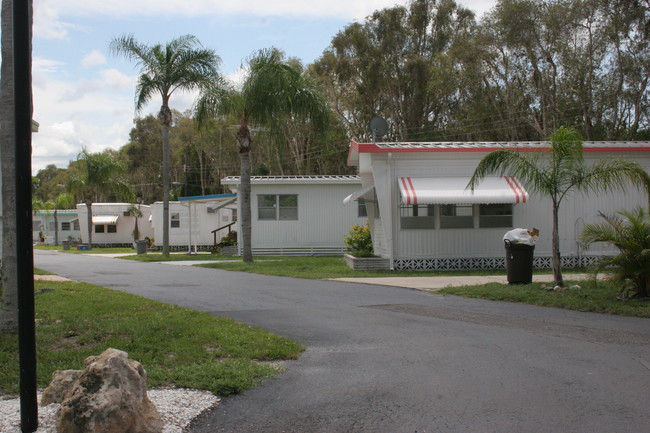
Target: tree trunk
point(9, 311)
point(165, 118)
point(89, 219)
point(56, 227)
point(244, 144)
point(556, 261)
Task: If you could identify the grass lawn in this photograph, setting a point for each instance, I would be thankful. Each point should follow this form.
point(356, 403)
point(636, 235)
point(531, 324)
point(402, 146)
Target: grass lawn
point(177, 346)
point(594, 297)
point(324, 267)
point(159, 257)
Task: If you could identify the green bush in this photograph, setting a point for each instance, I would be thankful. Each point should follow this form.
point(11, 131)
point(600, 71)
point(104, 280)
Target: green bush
point(359, 241)
point(629, 232)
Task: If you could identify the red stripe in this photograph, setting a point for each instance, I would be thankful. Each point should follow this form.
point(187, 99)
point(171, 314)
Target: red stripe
point(415, 197)
point(521, 189)
point(513, 187)
point(406, 190)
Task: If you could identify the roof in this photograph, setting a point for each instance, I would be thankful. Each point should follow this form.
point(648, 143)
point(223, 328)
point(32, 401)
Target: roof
point(485, 146)
point(208, 198)
point(269, 180)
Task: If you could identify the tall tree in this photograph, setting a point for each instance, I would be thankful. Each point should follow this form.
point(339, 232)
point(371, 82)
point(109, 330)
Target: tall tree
point(559, 171)
point(182, 64)
point(100, 174)
point(272, 90)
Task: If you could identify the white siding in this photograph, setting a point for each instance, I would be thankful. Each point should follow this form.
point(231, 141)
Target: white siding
point(575, 210)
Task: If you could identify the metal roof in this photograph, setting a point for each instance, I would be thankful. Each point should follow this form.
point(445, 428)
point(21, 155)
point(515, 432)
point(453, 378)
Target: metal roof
point(235, 180)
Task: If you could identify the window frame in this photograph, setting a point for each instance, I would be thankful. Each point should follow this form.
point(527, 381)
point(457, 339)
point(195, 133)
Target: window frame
point(274, 210)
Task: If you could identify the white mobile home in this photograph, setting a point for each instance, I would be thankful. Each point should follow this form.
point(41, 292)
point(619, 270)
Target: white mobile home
point(48, 225)
point(300, 215)
point(197, 223)
point(112, 226)
point(422, 217)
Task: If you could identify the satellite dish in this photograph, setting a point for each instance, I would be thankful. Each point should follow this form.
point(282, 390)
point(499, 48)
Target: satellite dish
point(378, 127)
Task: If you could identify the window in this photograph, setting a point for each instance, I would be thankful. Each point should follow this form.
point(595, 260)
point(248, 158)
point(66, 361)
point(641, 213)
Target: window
point(36, 225)
point(362, 212)
point(495, 215)
point(51, 226)
point(100, 228)
point(65, 226)
point(111, 228)
point(455, 216)
point(175, 220)
point(282, 207)
point(418, 216)
point(75, 225)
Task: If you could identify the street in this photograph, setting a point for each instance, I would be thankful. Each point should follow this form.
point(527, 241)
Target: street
point(392, 359)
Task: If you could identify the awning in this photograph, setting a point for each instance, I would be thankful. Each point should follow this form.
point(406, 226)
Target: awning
point(452, 190)
point(358, 194)
point(104, 219)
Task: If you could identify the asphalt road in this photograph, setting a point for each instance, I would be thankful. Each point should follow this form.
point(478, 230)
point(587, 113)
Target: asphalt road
point(387, 359)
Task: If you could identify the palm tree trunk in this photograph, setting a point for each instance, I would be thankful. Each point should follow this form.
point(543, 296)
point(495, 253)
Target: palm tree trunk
point(9, 311)
point(165, 120)
point(89, 219)
point(56, 227)
point(245, 197)
point(556, 261)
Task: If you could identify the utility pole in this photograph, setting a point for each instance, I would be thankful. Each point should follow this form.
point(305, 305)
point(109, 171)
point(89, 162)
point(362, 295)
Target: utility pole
point(22, 27)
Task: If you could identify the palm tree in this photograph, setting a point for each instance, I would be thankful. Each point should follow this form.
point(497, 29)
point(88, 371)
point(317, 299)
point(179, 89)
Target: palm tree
point(559, 171)
point(100, 174)
point(135, 211)
point(630, 234)
point(181, 64)
point(272, 91)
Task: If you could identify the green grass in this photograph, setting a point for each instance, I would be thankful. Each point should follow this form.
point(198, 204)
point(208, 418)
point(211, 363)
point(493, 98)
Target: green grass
point(593, 297)
point(96, 250)
point(159, 257)
point(177, 346)
point(325, 267)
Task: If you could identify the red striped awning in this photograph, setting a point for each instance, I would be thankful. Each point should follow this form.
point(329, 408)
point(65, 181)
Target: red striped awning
point(453, 190)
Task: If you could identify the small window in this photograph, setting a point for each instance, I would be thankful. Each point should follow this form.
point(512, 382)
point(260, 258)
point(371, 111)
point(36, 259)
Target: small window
point(65, 226)
point(51, 226)
point(36, 225)
point(495, 215)
point(362, 212)
point(455, 216)
point(175, 220)
point(417, 216)
point(111, 228)
point(283, 207)
point(100, 228)
point(75, 225)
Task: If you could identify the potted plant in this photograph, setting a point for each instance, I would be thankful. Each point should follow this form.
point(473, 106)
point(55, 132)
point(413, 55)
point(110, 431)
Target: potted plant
point(360, 250)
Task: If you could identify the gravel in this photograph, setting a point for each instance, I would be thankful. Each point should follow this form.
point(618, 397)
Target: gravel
point(177, 408)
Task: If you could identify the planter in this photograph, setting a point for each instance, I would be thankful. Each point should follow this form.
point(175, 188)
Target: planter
point(367, 263)
point(229, 250)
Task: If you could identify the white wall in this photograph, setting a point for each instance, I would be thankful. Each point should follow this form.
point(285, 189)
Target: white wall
point(44, 221)
point(125, 224)
point(196, 223)
point(575, 210)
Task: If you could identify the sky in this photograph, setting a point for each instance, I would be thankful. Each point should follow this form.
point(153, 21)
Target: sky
point(84, 96)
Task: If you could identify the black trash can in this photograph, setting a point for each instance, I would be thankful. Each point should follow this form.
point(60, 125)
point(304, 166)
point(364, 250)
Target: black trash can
point(519, 262)
point(66, 245)
point(141, 247)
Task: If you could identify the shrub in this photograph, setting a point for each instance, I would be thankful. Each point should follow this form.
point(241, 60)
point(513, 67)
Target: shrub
point(630, 234)
point(359, 242)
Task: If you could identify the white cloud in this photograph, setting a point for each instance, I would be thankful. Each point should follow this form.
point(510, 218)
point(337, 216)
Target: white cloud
point(94, 58)
point(317, 8)
point(47, 24)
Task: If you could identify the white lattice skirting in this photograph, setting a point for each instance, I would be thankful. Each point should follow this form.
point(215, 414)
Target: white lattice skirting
point(486, 263)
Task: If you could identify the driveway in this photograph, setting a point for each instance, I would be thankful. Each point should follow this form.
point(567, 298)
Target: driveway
point(391, 359)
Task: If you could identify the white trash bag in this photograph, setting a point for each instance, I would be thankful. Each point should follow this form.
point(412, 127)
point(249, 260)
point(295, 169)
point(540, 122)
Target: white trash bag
point(522, 236)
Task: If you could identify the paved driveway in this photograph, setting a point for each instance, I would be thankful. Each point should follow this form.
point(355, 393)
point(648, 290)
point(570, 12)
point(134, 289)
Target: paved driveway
point(387, 359)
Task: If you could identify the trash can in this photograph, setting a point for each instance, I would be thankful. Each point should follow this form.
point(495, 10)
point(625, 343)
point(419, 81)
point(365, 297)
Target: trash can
point(66, 245)
point(141, 247)
point(519, 262)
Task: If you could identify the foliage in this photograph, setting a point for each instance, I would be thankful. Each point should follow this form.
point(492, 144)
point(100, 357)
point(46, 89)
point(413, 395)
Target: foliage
point(274, 92)
point(229, 240)
point(630, 234)
point(359, 241)
point(75, 320)
point(557, 172)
